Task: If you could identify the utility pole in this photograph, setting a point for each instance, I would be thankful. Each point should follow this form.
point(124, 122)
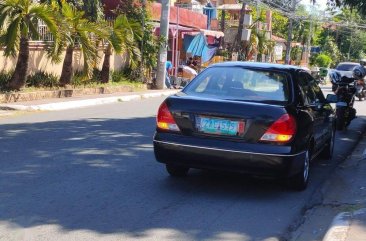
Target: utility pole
point(164, 35)
point(289, 36)
point(350, 45)
point(309, 40)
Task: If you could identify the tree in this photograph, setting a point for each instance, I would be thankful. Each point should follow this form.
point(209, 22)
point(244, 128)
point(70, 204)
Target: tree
point(358, 5)
point(93, 9)
point(77, 31)
point(122, 38)
point(19, 19)
point(344, 43)
point(149, 43)
point(132, 8)
point(279, 24)
point(330, 48)
point(350, 40)
point(323, 60)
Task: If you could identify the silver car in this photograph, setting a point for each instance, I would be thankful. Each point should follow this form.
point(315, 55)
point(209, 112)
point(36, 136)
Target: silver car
point(345, 68)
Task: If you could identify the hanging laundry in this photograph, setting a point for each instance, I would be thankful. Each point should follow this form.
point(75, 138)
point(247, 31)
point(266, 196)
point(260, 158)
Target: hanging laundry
point(199, 47)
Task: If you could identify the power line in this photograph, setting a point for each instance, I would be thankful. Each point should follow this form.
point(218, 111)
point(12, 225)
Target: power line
point(274, 6)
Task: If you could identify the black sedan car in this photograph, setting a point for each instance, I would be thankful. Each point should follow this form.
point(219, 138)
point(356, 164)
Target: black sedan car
point(260, 119)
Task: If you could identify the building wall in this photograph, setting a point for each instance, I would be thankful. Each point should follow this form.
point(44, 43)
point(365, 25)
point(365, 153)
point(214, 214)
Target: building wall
point(186, 17)
point(38, 61)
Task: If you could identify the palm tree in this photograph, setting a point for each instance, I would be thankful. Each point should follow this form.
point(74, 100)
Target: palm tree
point(123, 37)
point(258, 44)
point(18, 20)
point(77, 31)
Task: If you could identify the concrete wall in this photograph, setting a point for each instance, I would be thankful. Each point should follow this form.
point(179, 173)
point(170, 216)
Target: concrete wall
point(38, 61)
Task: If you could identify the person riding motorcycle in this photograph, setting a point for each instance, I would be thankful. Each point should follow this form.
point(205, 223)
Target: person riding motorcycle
point(335, 78)
point(363, 62)
point(359, 74)
point(344, 89)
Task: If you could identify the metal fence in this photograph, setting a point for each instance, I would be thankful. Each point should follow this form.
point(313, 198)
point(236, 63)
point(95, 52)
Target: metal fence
point(44, 34)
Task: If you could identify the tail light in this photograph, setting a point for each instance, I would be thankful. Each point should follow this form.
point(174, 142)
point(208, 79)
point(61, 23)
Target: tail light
point(165, 120)
point(282, 130)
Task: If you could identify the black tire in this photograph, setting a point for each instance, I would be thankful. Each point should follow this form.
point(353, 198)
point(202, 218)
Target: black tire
point(176, 171)
point(327, 152)
point(341, 119)
point(300, 181)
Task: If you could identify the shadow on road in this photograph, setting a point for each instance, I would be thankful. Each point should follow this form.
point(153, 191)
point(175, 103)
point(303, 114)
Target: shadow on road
point(101, 175)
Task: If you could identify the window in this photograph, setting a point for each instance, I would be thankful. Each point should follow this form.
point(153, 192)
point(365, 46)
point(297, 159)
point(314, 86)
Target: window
point(346, 67)
point(310, 90)
point(238, 83)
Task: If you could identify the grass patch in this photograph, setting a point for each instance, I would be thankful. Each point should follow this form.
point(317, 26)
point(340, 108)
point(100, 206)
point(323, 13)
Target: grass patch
point(42, 81)
point(135, 86)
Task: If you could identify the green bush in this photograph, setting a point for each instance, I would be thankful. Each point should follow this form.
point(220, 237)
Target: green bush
point(4, 80)
point(96, 75)
point(313, 58)
point(79, 78)
point(323, 60)
point(42, 79)
point(134, 75)
point(118, 76)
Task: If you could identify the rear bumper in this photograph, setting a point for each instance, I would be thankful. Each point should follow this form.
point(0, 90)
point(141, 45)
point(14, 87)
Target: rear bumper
point(257, 159)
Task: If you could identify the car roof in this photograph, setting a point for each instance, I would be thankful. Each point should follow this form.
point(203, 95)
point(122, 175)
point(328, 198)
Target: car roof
point(355, 63)
point(257, 65)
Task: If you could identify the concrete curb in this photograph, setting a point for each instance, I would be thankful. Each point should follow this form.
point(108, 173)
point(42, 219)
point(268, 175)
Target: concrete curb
point(72, 104)
point(339, 230)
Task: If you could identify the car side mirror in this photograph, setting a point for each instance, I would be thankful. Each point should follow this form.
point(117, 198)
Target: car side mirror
point(332, 98)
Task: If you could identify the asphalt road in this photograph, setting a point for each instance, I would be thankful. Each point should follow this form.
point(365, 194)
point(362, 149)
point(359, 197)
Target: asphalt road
point(90, 174)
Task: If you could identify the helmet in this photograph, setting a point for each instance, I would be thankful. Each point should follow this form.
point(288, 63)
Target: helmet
point(363, 62)
point(359, 72)
point(335, 77)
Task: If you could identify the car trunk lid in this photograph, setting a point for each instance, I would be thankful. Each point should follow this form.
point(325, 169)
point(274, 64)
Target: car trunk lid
point(228, 119)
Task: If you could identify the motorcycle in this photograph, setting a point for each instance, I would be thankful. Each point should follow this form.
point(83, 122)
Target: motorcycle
point(345, 90)
point(321, 80)
point(360, 89)
point(319, 74)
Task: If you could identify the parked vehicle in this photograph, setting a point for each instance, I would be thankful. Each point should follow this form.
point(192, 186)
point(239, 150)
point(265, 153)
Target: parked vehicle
point(345, 90)
point(260, 119)
point(345, 68)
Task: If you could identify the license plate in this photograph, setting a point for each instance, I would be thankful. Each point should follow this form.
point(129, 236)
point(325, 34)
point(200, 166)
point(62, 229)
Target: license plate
point(219, 126)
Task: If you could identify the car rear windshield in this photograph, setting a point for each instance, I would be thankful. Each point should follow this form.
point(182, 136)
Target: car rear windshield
point(346, 67)
point(240, 84)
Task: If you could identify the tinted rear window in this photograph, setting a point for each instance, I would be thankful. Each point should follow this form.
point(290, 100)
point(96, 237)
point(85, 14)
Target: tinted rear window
point(346, 67)
point(237, 83)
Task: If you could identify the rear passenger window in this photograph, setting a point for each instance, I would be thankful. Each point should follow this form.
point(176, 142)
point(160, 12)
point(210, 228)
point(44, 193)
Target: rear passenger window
point(308, 88)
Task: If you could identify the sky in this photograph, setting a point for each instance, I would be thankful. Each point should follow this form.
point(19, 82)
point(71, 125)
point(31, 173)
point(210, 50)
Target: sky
point(322, 3)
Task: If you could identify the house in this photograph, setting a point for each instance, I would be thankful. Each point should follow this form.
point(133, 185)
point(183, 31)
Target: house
point(185, 23)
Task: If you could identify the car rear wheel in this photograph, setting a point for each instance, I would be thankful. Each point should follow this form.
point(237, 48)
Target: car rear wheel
point(176, 171)
point(300, 181)
point(327, 152)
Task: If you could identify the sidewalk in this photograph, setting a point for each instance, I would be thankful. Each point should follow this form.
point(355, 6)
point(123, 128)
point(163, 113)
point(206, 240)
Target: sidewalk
point(350, 179)
point(84, 101)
